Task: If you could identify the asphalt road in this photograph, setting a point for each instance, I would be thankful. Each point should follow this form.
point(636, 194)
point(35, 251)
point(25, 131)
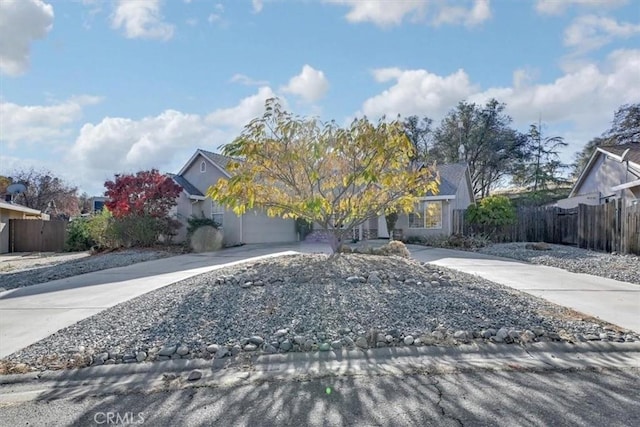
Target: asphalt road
point(504, 398)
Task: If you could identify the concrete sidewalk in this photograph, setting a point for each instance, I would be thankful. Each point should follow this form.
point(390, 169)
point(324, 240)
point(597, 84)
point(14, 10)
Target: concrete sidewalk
point(32, 313)
point(610, 300)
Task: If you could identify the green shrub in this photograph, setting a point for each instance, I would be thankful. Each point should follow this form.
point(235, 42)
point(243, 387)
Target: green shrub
point(78, 235)
point(101, 234)
point(196, 222)
point(492, 212)
point(136, 230)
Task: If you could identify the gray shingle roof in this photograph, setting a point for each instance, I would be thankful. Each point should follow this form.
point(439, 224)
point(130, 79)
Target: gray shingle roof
point(189, 188)
point(451, 175)
point(220, 159)
point(618, 150)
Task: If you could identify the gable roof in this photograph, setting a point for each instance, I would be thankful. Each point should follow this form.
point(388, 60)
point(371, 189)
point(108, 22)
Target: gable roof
point(451, 175)
point(631, 153)
point(188, 187)
point(217, 160)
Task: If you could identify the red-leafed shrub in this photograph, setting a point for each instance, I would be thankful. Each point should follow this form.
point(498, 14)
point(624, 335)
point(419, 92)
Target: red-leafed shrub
point(145, 193)
point(140, 206)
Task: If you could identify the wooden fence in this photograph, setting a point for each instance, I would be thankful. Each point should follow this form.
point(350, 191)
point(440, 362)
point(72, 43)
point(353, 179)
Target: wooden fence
point(608, 227)
point(34, 235)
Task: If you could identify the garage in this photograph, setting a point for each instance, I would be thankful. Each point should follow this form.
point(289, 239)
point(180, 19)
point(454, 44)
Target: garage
point(257, 227)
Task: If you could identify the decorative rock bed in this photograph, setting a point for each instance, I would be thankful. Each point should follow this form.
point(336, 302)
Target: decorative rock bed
point(311, 303)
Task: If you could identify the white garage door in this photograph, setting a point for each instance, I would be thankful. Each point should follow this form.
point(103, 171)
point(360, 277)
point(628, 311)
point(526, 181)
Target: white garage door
point(259, 228)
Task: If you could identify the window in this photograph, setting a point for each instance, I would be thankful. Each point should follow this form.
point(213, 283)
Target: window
point(217, 213)
point(427, 215)
point(203, 167)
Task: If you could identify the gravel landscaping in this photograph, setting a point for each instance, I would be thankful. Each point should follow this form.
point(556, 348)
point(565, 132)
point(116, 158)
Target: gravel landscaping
point(613, 266)
point(31, 270)
point(311, 303)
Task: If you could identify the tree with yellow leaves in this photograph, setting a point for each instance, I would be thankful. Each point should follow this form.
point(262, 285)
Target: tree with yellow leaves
point(335, 177)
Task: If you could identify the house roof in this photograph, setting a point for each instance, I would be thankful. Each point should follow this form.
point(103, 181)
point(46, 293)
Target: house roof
point(188, 187)
point(18, 208)
point(451, 176)
point(631, 153)
point(218, 160)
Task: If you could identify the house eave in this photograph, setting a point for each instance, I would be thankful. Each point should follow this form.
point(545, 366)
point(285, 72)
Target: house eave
point(630, 184)
point(584, 172)
point(19, 208)
point(439, 197)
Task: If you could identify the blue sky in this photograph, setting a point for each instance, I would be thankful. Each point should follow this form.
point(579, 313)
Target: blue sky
point(90, 88)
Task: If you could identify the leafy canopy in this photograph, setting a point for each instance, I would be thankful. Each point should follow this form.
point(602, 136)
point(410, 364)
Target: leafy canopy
point(295, 167)
point(147, 193)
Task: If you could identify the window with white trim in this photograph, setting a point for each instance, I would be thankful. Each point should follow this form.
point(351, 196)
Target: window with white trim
point(427, 215)
point(203, 167)
point(217, 213)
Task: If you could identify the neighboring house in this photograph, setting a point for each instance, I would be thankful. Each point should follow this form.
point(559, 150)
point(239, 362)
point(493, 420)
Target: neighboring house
point(203, 170)
point(10, 211)
point(434, 212)
point(97, 203)
point(611, 173)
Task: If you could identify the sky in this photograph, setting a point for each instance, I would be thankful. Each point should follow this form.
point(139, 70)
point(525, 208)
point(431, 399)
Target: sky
point(91, 88)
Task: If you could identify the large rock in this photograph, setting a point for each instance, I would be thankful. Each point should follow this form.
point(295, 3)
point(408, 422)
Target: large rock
point(206, 239)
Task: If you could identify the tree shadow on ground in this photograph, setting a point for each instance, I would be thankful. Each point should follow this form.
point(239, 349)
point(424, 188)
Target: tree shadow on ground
point(473, 398)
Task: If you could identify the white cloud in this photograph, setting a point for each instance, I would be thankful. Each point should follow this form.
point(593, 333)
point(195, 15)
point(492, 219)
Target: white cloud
point(583, 99)
point(591, 32)
point(417, 92)
point(246, 80)
point(390, 13)
point(141, 19)
point(21, 22)
point(556, 7)
point(382, 13)
point(41, 123)
point(257, 6)
point(311, 84)
point(478, 13)
point(240, 115)
point(586, 97)
point(136, 143)
point(164, 141)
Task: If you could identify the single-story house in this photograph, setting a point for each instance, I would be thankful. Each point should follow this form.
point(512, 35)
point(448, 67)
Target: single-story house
point(9, 211)
point(611, 173)
point(200, 172)
point(434, 212)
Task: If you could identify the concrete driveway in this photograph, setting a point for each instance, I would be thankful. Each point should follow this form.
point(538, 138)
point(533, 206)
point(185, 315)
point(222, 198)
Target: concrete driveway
point(30, 314)
point(610, 300)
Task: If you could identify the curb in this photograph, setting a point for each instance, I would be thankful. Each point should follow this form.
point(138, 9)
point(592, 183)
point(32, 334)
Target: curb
point(173, 374)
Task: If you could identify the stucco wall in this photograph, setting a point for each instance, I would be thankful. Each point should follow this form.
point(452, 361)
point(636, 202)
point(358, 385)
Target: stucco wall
point(604, 174)
point(5, 216)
